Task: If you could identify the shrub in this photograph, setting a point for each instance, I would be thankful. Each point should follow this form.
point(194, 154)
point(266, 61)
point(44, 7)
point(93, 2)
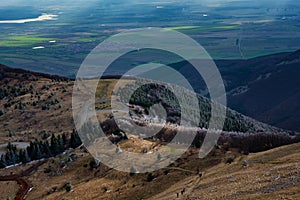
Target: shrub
point(64, 89)
point(93, 164)
point(47, 87)
point(229, 160)
point(132, 171)
point(47, 170)
point(46, 107)
point(68, 187)
point(150, 177)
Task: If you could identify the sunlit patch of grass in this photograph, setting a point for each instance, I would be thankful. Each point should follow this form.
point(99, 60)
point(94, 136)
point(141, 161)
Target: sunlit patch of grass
point(22, 40)
point(225, 27)
point(183, 27)
point(203, 28)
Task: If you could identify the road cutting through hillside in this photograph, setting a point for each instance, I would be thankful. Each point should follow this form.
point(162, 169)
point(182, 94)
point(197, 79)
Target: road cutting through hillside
point(24, 186)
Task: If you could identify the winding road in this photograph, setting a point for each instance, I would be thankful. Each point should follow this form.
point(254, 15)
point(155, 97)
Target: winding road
point(24, 186)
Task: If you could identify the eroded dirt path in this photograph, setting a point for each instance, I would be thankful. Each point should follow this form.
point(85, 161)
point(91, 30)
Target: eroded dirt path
point(24, 186)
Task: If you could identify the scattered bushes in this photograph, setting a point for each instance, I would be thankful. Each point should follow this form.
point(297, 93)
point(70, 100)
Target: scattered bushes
point(46, 107)
point(45, 87)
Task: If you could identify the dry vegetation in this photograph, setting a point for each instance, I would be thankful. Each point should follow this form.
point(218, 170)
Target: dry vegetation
point(268, 175)
point(274, 174)
point(224, 174)
point(32, 121)
point(46, 104)
point(8, 189)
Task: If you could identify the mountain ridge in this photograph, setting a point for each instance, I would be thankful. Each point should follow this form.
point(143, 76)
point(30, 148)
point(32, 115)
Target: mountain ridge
point(77, 167)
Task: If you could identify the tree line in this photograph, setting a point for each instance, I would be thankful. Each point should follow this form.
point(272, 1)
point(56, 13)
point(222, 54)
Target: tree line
point(39, 149)
point(150, 93)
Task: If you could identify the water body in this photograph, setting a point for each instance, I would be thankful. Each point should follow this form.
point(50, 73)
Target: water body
point(16, 12)
point(42, 17)
point(39, 47)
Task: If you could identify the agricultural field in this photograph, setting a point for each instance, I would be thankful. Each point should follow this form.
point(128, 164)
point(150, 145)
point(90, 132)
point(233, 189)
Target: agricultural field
point(60, 45)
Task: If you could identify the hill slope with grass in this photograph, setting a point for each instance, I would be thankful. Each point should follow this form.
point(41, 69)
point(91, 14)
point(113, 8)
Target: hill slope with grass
point(36, 105)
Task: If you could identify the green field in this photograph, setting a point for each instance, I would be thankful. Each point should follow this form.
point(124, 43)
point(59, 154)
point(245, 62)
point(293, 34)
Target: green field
point(22, 40)
point(228, 31)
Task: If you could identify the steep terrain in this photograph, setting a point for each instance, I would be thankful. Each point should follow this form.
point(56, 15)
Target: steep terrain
point(271, 91)
point(43, 103)
point(264, 88)
point(223, 175)
point(273, 174)
point(33, 105)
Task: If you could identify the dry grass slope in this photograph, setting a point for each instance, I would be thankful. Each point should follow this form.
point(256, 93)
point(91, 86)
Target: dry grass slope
point(268, 175)
point(274, 174)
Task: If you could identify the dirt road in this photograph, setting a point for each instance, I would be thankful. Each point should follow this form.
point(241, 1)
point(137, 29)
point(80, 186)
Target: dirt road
point(24, 186)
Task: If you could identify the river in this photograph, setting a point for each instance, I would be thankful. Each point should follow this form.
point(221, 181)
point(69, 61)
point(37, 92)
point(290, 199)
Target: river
point(42, 17)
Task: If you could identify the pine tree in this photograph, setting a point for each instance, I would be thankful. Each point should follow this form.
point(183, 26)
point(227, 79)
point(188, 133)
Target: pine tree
point(21, 155)
point(32, 154)
point(3, 162)
point(75, 140)
point(9, 157)
point(30, 150)
point(9, 146)
point(39, 154)
point(54, 145)
point(60, 144)
point(64, 139)
point(26, 158)
point(47, 150)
